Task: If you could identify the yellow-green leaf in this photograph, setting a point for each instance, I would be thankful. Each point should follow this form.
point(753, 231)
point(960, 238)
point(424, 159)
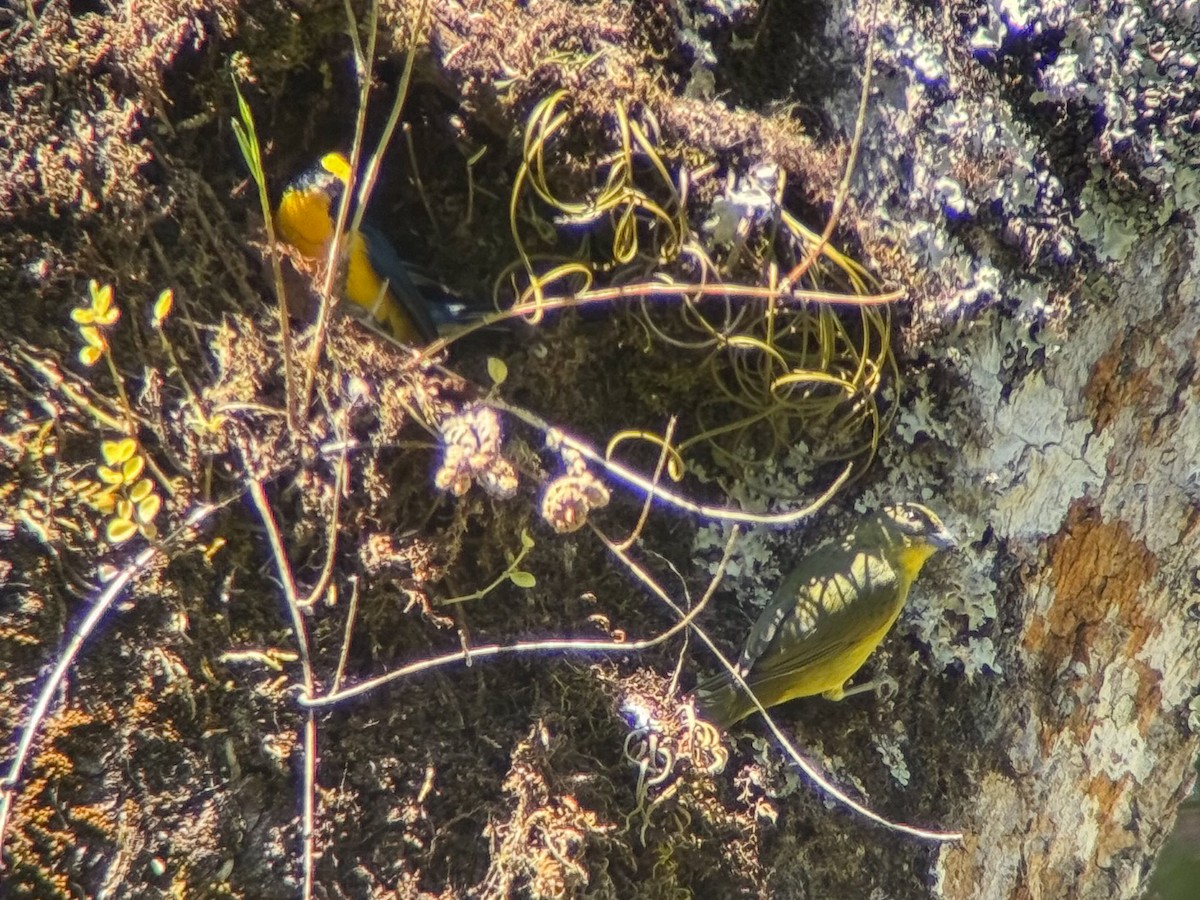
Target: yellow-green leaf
point(141, 490)
point(522, 579)
point(133, 468)
point(108, 475)
point(92, 336)
point(116, 452)
point(497, 370)
point(101, 296)
point(148, 509)
point(162, 306)
point(84, 315)
point(89, 356)
point(120, 530)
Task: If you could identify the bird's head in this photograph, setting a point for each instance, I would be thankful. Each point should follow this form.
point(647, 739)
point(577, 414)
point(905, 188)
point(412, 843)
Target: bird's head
point(913, 533)
point(326, 178)
point(914, 523)
point(309, 204)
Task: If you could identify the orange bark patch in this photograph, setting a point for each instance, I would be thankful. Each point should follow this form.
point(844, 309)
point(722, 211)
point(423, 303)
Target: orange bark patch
point(1096, 569)
point(1109, 795)
point(1148, 700)
point(1114, 837)
point(1115, 384)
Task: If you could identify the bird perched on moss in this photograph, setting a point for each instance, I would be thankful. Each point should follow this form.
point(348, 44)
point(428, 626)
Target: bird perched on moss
point(829, 614)
point(376, 278)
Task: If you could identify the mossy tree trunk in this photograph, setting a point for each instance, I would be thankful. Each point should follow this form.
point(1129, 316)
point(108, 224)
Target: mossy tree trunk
point(1033, 182)
point(1086, 466)
point(1041, 177)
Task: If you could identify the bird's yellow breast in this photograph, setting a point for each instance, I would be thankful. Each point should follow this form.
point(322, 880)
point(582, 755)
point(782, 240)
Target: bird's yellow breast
point(303, 221)
point(909, 560)
point(828, 676)
point(834, 659)
point(829, 614)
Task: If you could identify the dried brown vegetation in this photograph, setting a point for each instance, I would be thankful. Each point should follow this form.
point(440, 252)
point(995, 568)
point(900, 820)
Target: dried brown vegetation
point(172, 764)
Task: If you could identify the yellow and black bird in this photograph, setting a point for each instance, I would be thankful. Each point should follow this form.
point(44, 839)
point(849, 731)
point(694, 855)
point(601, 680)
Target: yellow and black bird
point(829, 614)
point(377, 279)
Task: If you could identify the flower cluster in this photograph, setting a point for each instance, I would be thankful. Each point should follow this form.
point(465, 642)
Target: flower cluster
point(571, 496)
point(472, 441)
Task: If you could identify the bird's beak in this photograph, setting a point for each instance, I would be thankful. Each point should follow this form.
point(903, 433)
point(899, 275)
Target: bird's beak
point(944, 540)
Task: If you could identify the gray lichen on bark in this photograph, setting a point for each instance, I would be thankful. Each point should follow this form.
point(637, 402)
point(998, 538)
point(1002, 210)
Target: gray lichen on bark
point(1043, 183)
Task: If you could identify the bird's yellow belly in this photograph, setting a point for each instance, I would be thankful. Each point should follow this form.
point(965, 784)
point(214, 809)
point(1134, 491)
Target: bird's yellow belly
point(304, 222)
point(365, 288)
point(825, 676)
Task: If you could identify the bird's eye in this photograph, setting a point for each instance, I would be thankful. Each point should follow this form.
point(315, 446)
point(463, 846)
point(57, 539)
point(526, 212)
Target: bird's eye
point(918, 519)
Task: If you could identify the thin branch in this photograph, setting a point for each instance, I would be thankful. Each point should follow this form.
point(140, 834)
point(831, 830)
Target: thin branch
point(468, 656)
point(331, 533)
point(365, 62)
point(351, 615)
point(556, 438)
point(683, 648)
point(537, 306)
point(844, 188)
point(337, 248)
point(308, 836)
point(663, 454)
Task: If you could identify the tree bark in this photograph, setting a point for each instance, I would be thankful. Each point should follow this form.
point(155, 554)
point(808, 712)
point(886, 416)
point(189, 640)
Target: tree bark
point(1031, 177)
point(1027, 173)
point(1047, 189)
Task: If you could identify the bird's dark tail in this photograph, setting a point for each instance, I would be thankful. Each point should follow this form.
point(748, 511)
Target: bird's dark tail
point(720, 701)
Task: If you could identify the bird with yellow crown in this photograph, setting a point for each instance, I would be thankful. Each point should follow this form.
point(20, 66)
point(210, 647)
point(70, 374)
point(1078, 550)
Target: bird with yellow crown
point(829, 614)
point(376, 278)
